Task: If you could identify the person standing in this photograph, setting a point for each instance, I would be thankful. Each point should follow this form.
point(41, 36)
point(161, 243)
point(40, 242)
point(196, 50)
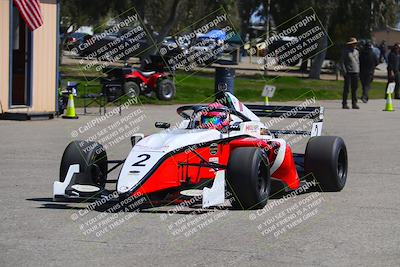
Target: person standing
point(368, 63)
point(393, 66)
point(383, 50)
point(351, 67)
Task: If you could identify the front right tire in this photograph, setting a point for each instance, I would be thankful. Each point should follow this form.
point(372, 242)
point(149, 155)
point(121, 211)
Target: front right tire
point(92, 160)
point(326, 160)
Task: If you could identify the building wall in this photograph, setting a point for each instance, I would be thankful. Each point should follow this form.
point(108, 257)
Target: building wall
point(44, 54)
point(44, 59)
point(4, 54)
point(390, 36)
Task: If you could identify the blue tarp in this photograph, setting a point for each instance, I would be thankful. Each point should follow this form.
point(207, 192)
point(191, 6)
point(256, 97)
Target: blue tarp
point(214, 34)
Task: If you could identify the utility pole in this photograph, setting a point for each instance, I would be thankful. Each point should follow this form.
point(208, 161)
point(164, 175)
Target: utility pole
point(268, 11)
point(371, 20)
point(268, 7)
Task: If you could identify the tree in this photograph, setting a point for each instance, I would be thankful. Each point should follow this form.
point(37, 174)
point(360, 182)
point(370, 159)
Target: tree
point(77, 13)
point(161, 16)
point(342, 19)
point(324, 12)
point(178, 17)
point(246, 9)
point(173, 17)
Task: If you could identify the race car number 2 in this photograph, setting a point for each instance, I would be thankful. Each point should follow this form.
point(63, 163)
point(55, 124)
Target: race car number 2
point(141, 163)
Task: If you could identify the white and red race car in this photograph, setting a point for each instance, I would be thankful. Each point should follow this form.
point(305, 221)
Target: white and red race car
point(242, 157)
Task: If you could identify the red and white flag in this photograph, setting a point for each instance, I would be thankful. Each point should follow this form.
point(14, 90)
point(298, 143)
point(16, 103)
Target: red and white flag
point(30, 12)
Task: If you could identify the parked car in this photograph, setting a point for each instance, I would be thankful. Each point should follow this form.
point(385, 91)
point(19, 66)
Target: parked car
point(99, 45)
point(73, 40)
point(206, 48)
point(171, 46)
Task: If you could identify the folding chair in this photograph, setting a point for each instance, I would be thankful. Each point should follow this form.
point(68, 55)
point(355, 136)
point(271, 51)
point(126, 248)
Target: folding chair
point(90, 98)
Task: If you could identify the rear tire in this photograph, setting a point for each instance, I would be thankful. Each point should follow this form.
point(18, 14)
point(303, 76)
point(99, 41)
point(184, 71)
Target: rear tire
point(92, 159)
point(166, 90)
point(326, 159)
point(248, 177)
point(131, 89)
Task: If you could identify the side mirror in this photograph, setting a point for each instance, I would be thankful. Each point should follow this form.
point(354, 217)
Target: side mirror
point(162, 125)
point(136, 138)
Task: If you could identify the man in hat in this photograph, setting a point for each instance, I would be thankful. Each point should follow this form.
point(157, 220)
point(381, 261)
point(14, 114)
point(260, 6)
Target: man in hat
point(350, 68)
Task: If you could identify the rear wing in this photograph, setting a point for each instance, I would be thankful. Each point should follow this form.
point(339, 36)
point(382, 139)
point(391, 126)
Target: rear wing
point(278, 113)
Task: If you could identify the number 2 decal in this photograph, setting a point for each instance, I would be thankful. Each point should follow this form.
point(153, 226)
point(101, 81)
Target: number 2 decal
point(140, 162)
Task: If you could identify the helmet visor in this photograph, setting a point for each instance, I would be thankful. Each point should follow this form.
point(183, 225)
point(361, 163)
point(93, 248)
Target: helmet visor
point(211, 120)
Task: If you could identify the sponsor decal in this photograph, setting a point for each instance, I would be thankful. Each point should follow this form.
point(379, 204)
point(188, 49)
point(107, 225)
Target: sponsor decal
point(213, 160)
point(213, 149)
point(252, 128)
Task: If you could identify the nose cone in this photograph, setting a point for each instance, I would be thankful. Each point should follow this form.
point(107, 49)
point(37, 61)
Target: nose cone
point(154, 149)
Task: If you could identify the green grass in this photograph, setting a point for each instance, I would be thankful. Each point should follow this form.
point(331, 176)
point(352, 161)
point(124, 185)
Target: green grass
point(200, 87)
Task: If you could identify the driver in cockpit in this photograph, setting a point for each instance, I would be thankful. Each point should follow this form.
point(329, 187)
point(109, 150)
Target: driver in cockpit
point(213, 119)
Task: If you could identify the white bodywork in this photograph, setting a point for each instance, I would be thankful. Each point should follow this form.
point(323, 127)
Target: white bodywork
point(59, 187)
point(216, 194)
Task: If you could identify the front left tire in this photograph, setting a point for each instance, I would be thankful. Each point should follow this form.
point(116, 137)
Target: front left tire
point(248, 178)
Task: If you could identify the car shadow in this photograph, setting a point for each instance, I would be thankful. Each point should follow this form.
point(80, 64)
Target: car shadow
point(278, 194)
point(110, 207)
point(151, 208)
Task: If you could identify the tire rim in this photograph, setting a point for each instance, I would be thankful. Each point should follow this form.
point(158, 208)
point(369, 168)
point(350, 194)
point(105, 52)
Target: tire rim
point(131, 92)
point(97, 174)
point(166, 90)
point(342, 165)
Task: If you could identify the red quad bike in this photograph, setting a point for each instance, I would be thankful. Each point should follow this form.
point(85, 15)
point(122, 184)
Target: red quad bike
point(136, 82)
point(243, 157)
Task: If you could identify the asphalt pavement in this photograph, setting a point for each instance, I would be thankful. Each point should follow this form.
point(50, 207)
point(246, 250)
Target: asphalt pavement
point(356, 227)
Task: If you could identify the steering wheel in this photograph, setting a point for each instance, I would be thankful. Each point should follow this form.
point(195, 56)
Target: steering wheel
point(182, 113)
point(199, 108)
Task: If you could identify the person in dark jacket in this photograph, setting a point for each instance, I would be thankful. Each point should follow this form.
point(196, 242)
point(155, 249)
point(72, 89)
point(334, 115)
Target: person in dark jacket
point(383, 50)
point(350, 65)
point(368, 62)
point(393, 69)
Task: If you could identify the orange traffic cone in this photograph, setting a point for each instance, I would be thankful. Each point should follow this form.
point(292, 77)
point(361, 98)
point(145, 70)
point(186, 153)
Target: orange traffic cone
point(70, 114)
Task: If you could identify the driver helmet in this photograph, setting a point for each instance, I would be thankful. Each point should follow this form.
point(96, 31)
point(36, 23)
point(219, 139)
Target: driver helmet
point(214, 119)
